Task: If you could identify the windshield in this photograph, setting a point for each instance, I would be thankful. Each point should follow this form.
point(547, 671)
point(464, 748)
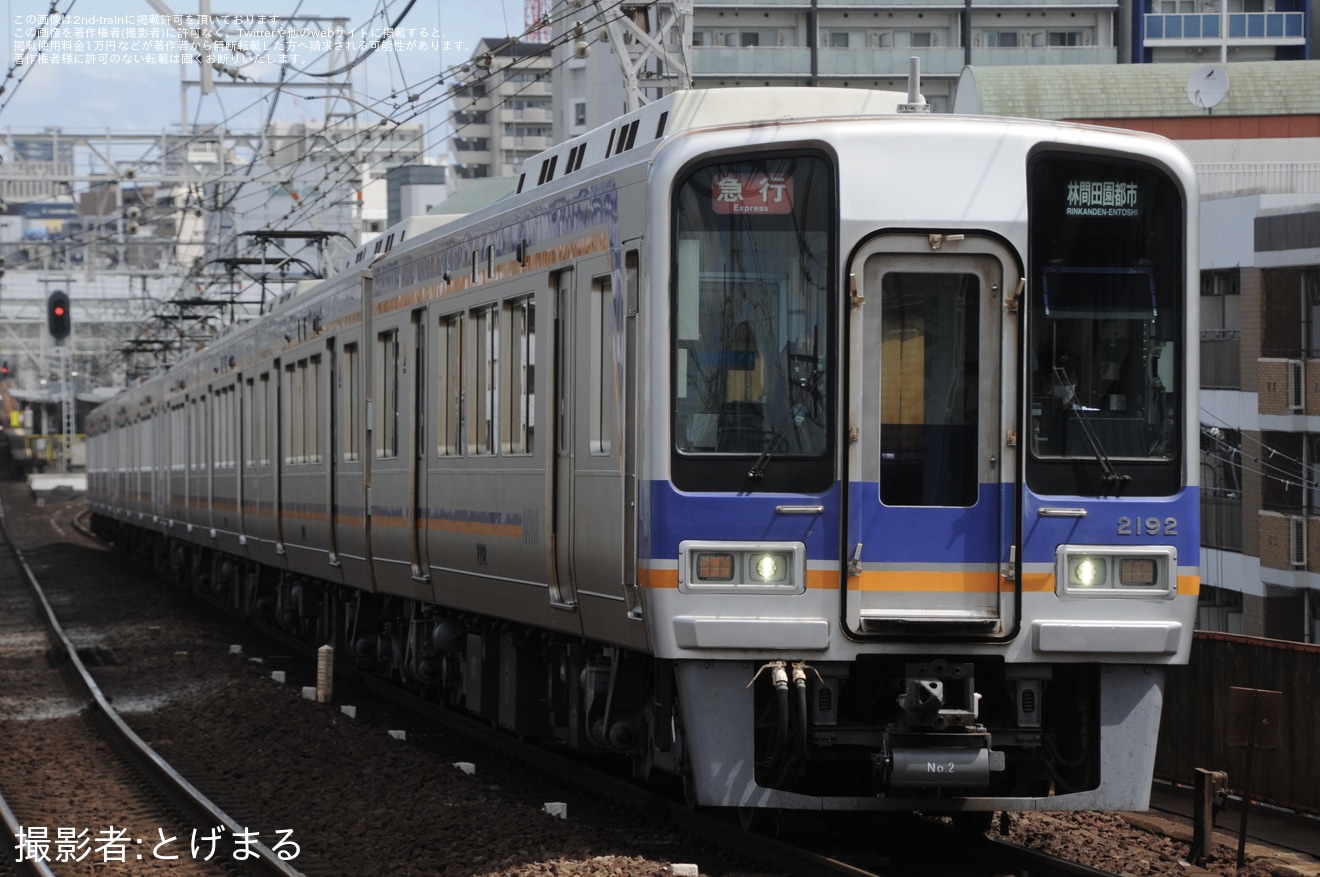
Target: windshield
point(751, 336)
point(1104, 360)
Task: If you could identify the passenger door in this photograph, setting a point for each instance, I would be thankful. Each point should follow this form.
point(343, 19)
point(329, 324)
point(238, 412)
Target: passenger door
point(931, 468)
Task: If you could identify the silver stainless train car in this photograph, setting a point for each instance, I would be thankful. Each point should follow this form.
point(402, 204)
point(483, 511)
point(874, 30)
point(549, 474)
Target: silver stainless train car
point(824, 456)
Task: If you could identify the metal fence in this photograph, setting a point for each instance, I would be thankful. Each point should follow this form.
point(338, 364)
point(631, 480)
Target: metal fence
point(1271, 177)
point(1195, 719)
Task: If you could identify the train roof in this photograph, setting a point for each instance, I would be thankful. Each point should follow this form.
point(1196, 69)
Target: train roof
point(691, 109)
point(639, 131)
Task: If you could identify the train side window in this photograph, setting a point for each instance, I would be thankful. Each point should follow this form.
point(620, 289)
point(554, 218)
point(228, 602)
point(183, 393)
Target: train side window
point(350, 396)
point(449, 411)
point(518, 415)
point(485, 379)
point(601, 333)
point(387, 394)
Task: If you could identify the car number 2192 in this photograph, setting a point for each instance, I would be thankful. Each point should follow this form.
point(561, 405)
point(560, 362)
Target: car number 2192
point(1147, 526)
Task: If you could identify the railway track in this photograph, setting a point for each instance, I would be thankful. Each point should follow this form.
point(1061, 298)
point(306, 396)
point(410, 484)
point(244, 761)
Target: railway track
point(65, 737)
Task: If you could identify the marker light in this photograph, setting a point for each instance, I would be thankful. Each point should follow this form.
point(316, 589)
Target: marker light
point(715, 567)
point(1137, 572)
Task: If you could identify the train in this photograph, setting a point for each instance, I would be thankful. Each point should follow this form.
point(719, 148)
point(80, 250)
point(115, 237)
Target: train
point(797, 449)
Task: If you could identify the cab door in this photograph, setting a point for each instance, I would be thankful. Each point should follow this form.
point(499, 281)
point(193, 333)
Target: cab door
point(931, 468)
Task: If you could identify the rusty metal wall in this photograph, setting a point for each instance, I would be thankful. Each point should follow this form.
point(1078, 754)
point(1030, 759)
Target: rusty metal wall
point(1195, 718)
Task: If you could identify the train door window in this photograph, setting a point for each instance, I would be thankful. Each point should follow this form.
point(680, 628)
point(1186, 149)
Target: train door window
point(291, 405)
point(311, 407)
point(351, 402)
point(178, 425)
point(388, 368)
point(216, 440)
point(929, 391)
point(449, 386)
point(261, 426)
point(518, 415)
point(194, 438)
point(141, 450)
point(485, 374)
point(223, 423)
point(602, 366)
point(246, 442)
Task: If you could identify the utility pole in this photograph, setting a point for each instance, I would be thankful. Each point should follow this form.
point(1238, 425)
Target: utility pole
point(639, 34)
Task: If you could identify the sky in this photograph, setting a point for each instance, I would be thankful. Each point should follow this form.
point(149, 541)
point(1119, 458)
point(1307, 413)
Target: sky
point(105, 75)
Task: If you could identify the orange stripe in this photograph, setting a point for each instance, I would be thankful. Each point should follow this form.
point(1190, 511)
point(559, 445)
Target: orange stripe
point(817, 579)
point(948, 581)
point(472, 528)
point(1038, 583)
point(1043, 583)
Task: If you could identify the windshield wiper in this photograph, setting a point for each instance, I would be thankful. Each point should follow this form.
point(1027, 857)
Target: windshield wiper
point(1111, 476)
point(758, 468)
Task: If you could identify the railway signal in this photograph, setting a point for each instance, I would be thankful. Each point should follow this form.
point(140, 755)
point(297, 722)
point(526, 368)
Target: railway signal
point(57, 314)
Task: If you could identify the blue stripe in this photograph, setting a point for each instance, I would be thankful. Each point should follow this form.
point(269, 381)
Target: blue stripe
point(926, 535)
point(677, 516)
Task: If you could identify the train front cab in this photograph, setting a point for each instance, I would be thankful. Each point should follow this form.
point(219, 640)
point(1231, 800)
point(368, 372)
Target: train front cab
point(977, 614)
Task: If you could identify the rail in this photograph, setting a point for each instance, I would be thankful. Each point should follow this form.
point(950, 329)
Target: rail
point(266, 863)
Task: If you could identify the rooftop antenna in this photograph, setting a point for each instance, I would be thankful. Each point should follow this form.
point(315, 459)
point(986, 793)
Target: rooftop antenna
point(915, 102)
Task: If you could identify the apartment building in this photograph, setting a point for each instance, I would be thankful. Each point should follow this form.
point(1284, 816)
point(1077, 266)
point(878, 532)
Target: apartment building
point(502, 110)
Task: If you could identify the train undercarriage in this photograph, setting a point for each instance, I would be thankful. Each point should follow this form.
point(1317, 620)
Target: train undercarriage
point(928, 726)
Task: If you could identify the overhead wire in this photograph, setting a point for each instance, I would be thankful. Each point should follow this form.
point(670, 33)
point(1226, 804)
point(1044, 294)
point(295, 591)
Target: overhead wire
point(512, 68)
point(418, 101)
point(6, 91)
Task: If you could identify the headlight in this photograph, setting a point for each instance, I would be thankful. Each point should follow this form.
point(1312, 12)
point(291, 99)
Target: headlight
point(1112, 571)
point(741, 568)
point(1086, 571)
point(770, 567)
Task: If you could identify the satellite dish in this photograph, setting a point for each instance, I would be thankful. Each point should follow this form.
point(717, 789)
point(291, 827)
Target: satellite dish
point(1207, 86)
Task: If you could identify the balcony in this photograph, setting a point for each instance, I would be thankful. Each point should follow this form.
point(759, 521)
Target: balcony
point(753, 61)
point(525, 114)
point(528, 144)
point(1215, 28)
point(1023, 55)
point(795, 61)
point(890, 62)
